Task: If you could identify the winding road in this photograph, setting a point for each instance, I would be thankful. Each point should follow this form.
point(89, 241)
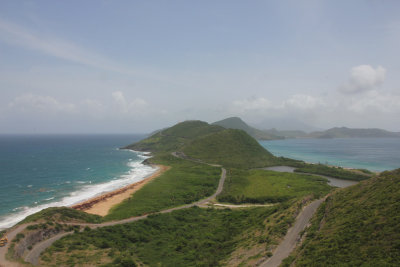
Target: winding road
point(3, 250)
point(282, 251)
point(293, 235)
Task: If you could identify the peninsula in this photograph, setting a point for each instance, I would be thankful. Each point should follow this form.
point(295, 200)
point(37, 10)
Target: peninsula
point(217, 202)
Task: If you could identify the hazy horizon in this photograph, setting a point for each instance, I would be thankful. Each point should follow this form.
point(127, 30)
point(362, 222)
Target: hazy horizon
point(134, 67)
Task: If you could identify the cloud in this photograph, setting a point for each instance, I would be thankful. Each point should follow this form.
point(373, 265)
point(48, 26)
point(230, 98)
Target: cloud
point(39, 104)
point(364, 78)
point(36, 103)
point(376, 102)
point(134, 106)
point(303, 102)
point(299, 102)
point(16, 35)
point(252, 104)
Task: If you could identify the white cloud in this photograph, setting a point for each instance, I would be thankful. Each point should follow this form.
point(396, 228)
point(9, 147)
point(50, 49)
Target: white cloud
point(299, 102)
point(14, 34)
point(37, 103)
point(134, 106)
point(375, 102)
point(364, 78)
point(303, 102)
point(252, 104)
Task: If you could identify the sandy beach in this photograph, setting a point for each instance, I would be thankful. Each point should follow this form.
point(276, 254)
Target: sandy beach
point(101, 205)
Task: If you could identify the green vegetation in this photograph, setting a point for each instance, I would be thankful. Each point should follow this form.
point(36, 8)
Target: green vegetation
point(353, 221)
point(184, 183)
point(175, 137)
point(62, 214)
point(190, 237)
point(357, 226)
point(230, 148)
point(260, 186)
point(210, 143)
point(337, 172)
point(57, 227)
point(239, 124)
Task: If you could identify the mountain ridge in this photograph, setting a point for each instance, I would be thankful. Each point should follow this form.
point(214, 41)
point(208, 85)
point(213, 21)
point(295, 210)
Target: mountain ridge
point(238, 123)
point(345, 132)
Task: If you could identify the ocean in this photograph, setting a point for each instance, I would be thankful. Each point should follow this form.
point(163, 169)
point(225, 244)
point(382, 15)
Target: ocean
point(375, 154)
point(40, 171)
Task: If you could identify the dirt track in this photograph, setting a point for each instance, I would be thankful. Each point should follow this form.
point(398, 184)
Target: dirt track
point(292, 236)
point(3, 250)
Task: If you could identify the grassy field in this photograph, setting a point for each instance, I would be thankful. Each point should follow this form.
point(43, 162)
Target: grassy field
point(230, 148)
point(336, 172)
point(260, 186)
point(184, 183)
point(357, 226)
point(190, 237)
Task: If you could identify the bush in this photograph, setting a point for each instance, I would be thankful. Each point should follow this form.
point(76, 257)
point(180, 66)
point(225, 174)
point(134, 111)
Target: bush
point(336, 172)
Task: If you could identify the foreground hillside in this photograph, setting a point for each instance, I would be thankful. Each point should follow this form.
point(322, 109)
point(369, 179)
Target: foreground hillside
point(356, 226)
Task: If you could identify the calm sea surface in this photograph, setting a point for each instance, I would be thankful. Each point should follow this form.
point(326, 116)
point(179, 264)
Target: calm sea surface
point(56, 170)
point(376, 154)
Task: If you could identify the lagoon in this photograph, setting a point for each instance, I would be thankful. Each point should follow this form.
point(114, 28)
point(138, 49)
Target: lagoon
point(375, 154)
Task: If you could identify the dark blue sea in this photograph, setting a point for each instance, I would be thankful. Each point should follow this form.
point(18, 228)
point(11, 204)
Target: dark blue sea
point(375, 154)
point(40, 171)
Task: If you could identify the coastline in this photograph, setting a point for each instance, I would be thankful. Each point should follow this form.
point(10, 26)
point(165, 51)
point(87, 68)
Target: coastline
point(101, 205)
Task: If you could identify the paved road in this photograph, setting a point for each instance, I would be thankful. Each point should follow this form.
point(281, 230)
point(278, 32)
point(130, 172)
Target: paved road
point(292, 236)
point(34, 254)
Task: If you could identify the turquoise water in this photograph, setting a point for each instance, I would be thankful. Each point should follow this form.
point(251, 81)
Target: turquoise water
point(40, 171)
point(375, 154)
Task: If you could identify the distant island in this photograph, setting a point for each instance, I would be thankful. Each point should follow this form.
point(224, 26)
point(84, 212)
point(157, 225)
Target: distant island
point(274, 134)
point(221, 199)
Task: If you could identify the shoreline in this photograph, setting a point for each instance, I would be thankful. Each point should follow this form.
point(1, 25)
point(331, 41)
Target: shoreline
point(101, 205)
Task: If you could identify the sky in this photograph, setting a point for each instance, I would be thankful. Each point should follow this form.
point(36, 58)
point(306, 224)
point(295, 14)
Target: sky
point(136, 66)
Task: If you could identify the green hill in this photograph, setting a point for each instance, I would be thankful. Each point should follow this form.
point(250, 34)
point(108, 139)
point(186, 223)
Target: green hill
point(175, 137)
point(239, 124)
point(356, 226)
point(230, 148)
point(210, 143)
